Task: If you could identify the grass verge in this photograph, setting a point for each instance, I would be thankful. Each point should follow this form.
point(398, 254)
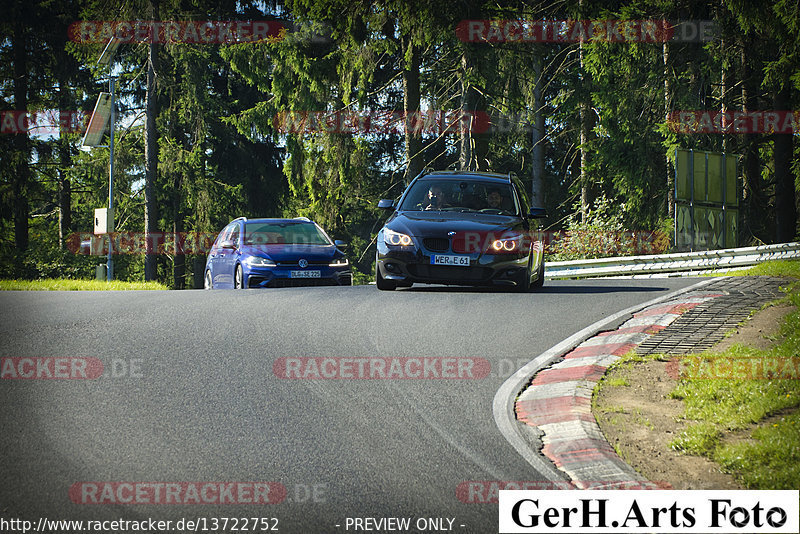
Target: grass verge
point(769, 268)
point(731, 391)
point(63, 284)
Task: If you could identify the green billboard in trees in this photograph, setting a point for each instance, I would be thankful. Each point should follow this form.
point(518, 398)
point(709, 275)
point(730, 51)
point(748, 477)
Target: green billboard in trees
point(706, 200)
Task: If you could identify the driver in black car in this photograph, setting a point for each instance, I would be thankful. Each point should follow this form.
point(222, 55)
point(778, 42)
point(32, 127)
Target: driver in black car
point(436, 199)
point(494, 199)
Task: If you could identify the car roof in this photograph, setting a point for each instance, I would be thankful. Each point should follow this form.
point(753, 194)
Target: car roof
point(468, 175)
point(272, 220)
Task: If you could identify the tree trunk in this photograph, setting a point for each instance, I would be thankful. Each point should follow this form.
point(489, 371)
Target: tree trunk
point(537, 184)
point(179, 260)
point(150, 156)
point(65, 162)
point(586, 129)
point(586, 125)
point(752, 195)
point(586, 198)
point(411, 107)
point(785, 208)
point(723, 97)
point(466, 158)
point(198, 271)
point(474, 143)
point(179, 265)
point(22, 149)
point(667, 105)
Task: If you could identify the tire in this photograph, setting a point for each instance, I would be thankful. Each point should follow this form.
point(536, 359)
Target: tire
point(540, 280)
point(238, 282)
point(208, 281)
point(381, 282)
point(524, 283)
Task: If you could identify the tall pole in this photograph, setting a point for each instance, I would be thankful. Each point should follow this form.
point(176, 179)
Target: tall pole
point(110, 261)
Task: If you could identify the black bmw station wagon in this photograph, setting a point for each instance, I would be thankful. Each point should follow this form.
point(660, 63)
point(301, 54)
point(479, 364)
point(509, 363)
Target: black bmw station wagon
point(461, 228)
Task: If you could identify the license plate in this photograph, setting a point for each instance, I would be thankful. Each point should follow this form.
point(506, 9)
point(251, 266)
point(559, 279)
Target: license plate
point(306, 274)
point(459, 261)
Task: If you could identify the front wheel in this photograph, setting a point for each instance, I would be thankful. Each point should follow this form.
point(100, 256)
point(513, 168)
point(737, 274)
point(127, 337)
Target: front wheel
point(208, 281)
point(540, 279)
point(238, 282)
point(381, 282)
point(524, 283)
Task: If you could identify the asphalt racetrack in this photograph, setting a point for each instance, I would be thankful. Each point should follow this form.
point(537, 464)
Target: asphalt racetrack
point(337, 402)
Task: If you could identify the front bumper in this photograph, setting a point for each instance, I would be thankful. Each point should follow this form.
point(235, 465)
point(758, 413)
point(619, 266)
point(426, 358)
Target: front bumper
point(413, 265)
point(281, 276)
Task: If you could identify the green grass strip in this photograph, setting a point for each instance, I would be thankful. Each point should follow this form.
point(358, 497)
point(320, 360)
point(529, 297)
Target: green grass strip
point(770, 268)
point(63, 284)
point(769, 456)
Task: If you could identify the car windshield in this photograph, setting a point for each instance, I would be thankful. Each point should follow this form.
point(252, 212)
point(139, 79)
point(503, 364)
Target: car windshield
point(279, 233)
point(461, 196)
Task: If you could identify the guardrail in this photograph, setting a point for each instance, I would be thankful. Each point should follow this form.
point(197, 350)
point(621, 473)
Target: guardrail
point(671, 263)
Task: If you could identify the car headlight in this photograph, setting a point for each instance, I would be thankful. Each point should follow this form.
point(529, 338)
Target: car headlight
point(504, 245)
point(340, 262)
point(257, 261)
point(507, 245)
point(391, 237)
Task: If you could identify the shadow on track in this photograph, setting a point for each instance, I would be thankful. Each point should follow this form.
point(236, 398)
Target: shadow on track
point(598, 288)
point(562, 288)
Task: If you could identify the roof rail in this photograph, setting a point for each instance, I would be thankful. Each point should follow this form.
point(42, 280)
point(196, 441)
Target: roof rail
point(240, 219)
point(306, 219)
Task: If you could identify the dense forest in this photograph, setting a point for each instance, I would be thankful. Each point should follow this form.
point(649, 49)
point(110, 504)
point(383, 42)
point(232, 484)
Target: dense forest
point(320, 108)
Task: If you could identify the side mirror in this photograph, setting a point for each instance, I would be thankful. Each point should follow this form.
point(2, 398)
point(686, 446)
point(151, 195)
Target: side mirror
point(537, 213)
point(228, 244)
point(339, 243)
point(386, 203)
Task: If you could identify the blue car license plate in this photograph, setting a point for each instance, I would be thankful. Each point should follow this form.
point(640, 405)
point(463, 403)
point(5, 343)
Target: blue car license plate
point(305, 274)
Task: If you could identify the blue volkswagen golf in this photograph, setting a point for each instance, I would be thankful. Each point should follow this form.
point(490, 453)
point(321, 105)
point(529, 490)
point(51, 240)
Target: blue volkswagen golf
point(251, 253)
